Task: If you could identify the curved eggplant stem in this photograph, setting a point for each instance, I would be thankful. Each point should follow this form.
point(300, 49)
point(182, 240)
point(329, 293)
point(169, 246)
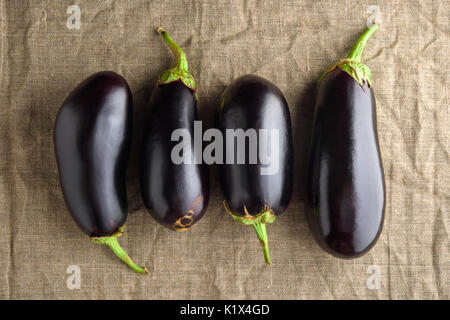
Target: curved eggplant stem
point(357, 49)
point(352, 63)
point(180, 71)
point(182, 63)
point(112, 242)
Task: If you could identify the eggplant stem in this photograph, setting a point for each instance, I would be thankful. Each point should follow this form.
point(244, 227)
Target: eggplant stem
point(260, 229)
point(182, 63)
point(180, 71)
point(352, 63)
point(113, 243)
point(357, 49)
point(258, 222)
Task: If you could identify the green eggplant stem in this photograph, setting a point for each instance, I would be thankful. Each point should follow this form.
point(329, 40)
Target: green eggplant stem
point(352, 63)
point(357, 49)
point(175, 48)
point(260, 229)
point(258, 222)
point(180, 70)
point(113, 243)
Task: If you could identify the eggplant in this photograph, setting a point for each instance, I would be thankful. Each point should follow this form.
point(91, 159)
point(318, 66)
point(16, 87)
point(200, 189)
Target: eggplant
point(175, 194)
point(256, 192)
point(92, 138)
point(345, 199)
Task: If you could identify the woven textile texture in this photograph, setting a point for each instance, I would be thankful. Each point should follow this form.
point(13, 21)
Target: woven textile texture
point(288, 42)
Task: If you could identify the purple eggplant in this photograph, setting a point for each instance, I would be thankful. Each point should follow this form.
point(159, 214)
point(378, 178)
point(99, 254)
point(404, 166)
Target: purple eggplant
point(176, 194)
point(256, 191)
point(345, 199)
point(92, 142)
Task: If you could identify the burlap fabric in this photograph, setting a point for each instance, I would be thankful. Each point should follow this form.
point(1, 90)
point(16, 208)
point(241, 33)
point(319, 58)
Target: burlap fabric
point(287, 42)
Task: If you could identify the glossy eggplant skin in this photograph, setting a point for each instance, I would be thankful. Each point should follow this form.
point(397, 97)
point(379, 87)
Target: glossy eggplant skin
point(92, 141)
point(252, 102)
point(176, 195)
point(345, 199)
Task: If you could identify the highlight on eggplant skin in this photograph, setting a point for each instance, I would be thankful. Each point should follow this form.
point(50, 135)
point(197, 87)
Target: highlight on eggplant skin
point(92, 138)
point(253, 199)
point(176, 195)
point(345, 201)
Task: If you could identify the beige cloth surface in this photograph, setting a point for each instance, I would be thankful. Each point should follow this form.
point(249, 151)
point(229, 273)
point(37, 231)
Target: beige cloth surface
point(287, 42)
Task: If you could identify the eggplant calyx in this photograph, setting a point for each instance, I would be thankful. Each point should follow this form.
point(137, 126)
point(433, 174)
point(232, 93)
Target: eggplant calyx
point(180, 71)
point(357, 70)
point(258, 222)
point(112, 242)
point(352, 63)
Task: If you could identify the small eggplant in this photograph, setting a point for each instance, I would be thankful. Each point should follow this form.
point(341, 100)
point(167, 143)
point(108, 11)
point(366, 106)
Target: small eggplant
point(256, 190)
point(176, 194)
point(345, 199)
point(92, 141)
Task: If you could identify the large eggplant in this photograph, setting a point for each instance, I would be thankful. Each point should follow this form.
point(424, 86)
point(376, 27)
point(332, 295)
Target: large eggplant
point(176, 194)
point(92, 141)
point(345, 186)
point(256, 190)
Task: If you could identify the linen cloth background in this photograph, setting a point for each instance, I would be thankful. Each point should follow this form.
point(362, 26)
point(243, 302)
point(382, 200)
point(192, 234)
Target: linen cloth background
point(288, 42)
